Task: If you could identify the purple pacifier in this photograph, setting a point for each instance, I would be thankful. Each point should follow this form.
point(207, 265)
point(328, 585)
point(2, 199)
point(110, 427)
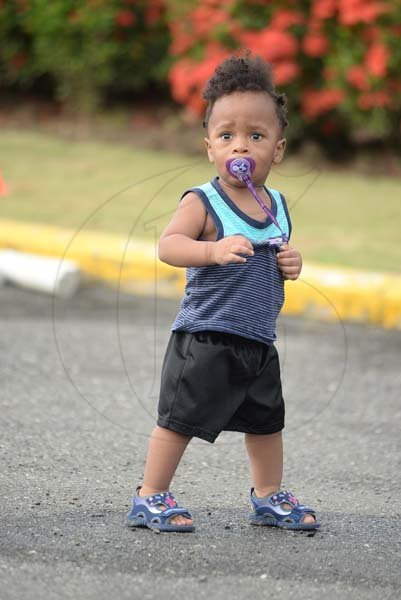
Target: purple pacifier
point(242, 169)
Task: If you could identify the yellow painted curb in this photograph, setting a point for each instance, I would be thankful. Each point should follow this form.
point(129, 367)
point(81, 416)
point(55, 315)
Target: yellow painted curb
point(331, 293)
point(324, 292)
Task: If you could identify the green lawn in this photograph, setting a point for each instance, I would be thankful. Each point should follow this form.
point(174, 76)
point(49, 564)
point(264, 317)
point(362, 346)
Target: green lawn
point(338, 217)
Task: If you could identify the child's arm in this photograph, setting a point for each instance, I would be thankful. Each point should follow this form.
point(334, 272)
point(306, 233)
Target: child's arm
point(178, 244)
point(289, 262)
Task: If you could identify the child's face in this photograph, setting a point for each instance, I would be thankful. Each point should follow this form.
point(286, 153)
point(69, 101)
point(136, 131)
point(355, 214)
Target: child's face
point(244, 124)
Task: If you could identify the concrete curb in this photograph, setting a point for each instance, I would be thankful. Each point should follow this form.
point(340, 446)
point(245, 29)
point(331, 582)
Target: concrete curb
point(324, 292)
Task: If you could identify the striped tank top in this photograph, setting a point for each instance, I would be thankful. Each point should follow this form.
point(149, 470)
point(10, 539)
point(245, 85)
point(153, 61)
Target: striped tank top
point(240, 298)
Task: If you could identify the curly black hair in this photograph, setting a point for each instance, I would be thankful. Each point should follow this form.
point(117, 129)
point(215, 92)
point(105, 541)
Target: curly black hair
point(244, 74)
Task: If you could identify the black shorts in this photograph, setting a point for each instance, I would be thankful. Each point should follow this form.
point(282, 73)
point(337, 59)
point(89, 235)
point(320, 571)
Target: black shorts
point(213, 381)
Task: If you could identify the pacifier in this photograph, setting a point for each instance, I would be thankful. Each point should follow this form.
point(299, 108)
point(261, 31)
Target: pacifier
point(242, 169)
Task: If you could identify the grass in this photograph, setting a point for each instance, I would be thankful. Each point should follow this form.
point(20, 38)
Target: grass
point(338, 216)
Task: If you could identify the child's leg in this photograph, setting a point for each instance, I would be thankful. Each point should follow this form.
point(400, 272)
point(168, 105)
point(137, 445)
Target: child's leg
point(266, 458)
point(165, 450)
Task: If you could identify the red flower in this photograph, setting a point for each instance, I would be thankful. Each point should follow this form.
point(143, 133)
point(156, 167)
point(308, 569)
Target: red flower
point(358, 77)
point(154, 11)
point(372, 11)
point(235, 29)
point(376, 60)
point(178, 76)
point(205, 19)
point(370, 34)
point(317, 102)
point(285, 71)
point(271, 44)
point(283, 19)
point(368, 100)
point(182, 40)
point(361, 11)
point(315, 44)
point(188, 78)
point(324, 9)
point(125, 18)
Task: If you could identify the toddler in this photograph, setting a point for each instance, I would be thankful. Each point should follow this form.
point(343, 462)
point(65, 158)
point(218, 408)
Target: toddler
point(221, 368)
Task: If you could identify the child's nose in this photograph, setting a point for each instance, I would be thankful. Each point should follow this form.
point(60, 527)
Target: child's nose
point(240, 147)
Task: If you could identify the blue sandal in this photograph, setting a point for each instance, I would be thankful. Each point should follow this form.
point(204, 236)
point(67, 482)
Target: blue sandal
point(269, 511)
point(145, 512)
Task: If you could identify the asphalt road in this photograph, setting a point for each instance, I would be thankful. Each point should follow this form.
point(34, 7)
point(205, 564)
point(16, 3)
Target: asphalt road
point(79, 387)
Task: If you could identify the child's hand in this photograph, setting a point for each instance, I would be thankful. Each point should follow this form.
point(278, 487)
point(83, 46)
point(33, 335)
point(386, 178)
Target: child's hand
point(289, 262)
point(226, 250)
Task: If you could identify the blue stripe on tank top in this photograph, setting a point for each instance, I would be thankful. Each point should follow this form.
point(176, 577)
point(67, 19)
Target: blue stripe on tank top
point(240, 298)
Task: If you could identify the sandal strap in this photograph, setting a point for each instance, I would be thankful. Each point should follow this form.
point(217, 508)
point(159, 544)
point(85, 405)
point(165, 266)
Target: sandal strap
point(297, 506)
point(300, 511)
point(175, 511)
point(284, 496)
point(166, 498)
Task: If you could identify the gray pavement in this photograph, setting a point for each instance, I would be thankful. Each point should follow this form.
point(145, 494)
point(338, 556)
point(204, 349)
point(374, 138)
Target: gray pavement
point(79, 388)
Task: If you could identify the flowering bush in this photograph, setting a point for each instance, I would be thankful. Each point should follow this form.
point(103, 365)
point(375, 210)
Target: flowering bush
point(85, 47)
point(339, 61)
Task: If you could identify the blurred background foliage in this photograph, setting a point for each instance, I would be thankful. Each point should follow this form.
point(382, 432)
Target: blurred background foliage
point(339, 61)
point(82, 52)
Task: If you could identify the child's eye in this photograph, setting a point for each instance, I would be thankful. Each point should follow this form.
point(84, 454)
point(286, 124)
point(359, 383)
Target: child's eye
point(256, 136)
point(226, 136)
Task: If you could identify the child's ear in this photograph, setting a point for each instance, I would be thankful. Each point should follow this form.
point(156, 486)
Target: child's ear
point(279, 150)
point(208, 149)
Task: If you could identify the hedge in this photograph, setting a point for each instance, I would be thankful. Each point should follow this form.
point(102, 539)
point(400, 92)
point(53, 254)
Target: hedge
point(339, 61)
point(86, 48)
